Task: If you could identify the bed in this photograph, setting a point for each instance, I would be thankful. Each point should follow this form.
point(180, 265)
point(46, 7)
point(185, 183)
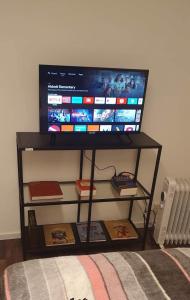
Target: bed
point(151, 274)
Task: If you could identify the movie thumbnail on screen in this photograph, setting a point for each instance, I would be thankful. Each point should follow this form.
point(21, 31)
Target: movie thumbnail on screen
point(103, 115)
point(56, 115)
point(81, 115)
point(125, 115)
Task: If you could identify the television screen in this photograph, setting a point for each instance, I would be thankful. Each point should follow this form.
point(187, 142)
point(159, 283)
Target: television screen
point(90, 99)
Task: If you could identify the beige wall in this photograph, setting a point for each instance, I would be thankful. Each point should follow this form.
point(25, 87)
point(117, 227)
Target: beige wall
point(137, 34)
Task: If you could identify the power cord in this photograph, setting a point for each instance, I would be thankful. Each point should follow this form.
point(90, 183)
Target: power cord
point(101, 169)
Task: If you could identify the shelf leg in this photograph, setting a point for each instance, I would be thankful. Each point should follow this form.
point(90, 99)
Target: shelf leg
point(21, 201)
point(136, 173)
point(151, 196)
point(130, 210)
point(81, 164)
point(80, 177)
point(137, 163)
point(91, 194)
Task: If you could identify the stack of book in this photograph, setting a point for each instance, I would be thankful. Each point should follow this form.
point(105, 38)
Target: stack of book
point(120, 230)
point(83, 187)
point(124, 185)
point(58, 234)
point(45, 190)
point(96, 231)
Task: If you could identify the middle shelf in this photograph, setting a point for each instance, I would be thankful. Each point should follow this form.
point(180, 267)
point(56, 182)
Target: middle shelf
point(104, 193)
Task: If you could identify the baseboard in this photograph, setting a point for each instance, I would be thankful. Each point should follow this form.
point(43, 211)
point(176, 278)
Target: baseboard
point(10, 236)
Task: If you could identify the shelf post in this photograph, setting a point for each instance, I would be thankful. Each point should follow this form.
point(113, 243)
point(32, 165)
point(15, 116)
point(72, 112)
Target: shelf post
point(91, 194)
point(21, 200)
point(135, 177)
point(80, 177)
point(81, 164)
point(137, 163)
point(151, 195)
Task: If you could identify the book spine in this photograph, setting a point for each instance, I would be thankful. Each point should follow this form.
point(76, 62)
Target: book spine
point(130, 185)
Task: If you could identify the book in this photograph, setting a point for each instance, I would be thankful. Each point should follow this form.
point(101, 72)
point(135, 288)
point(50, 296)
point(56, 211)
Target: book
point(33, 229)
point(127, 187)
point(58, 234)
point(125, 191)
point(120, 230)
point(32, 219)
point(83, 187)
point(45, 190)
point(96, 231)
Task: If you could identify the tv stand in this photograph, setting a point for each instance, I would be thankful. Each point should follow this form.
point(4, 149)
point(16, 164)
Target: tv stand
point(33, 243)
point(52, 139)
point(125, 139)
point(95, 141)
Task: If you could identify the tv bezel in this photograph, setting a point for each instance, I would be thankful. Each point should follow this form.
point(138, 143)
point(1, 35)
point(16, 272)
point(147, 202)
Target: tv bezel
point(43, 98)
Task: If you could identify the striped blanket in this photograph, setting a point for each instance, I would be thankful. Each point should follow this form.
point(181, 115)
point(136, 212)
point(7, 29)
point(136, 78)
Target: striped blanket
point(152, 274)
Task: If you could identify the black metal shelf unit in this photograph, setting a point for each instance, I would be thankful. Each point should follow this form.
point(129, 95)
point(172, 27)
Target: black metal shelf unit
point(32, 141)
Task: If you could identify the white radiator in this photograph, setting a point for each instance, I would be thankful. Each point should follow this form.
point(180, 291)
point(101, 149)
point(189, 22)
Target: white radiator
point(172, 224)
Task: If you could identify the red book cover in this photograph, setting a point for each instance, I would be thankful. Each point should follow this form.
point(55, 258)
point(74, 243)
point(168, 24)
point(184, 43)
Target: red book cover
point(83, 187)
point(45, 190)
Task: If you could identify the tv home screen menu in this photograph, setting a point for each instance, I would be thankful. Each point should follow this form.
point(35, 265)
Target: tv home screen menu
point(92, 100)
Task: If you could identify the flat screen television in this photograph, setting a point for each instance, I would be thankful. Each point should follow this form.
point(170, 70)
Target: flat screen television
point(91, 100)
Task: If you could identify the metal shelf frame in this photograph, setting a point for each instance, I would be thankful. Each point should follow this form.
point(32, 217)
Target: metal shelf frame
point(31, 141)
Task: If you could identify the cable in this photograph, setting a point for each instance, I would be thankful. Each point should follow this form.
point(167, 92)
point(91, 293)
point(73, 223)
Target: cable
point(101, 169)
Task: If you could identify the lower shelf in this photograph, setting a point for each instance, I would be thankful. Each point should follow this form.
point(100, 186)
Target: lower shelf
point(35, 242)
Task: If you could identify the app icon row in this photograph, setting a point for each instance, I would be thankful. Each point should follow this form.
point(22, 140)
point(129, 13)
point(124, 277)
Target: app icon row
point(58, 99)
point(92, 128)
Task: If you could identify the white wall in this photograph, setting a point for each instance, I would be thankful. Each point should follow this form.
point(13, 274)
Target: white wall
point(137, 34)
